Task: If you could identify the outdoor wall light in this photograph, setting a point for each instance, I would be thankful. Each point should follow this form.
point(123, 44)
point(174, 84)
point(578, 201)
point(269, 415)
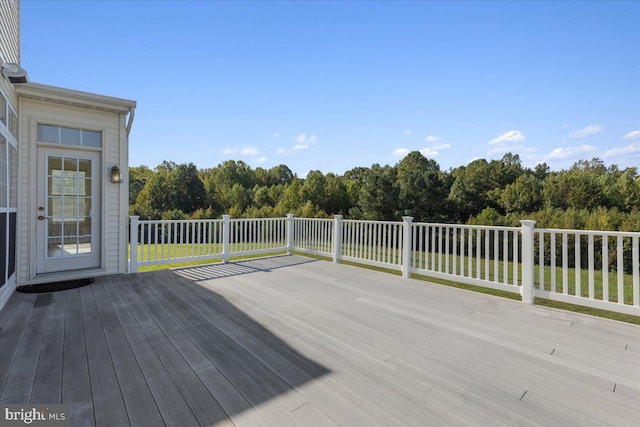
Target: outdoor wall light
point(115, 175)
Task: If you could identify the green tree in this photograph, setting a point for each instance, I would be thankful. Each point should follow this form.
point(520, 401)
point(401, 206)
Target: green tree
point(422, 193)
point(138, 177)
point(379, 194)
point(314, 189)
point(187, 192)
point(523, 195)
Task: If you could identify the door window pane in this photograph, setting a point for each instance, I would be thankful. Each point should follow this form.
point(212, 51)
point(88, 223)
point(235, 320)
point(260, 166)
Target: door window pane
point(69, 207)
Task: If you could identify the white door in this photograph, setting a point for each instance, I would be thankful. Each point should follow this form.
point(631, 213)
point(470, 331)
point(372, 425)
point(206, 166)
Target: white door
point(68, 210)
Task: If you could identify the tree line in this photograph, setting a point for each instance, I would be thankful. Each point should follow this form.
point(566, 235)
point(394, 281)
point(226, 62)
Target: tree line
point(589, 195)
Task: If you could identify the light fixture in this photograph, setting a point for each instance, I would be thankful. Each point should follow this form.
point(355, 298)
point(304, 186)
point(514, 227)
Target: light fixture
point(14, 72)
point(115, 175)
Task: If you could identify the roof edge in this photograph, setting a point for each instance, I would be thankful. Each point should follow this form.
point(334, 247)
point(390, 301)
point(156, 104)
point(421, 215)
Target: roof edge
point(74, 97)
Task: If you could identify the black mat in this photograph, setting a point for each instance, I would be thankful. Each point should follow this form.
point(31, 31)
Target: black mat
point(54, 286)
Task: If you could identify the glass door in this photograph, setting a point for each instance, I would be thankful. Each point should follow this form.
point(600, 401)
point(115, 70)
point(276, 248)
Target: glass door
point(68, 211)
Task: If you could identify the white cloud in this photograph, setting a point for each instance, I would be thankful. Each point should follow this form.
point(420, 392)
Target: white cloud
point(630, 149)
point(588, 131)
point(276, 134)
point(429, 152)
point(434, 150)
point(400, 152)
point(260, 160)
point(249, 151)
point(508, 141)
point(511, 136)
point(565, 126)
point(303, 138)
point(283, 151)
point(230, 150)
point(569, 152)
point(634, 134)
point(298, 147)
point(431, 138)
point(407, 132)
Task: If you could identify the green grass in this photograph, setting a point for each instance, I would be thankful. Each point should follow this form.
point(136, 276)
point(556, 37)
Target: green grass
point(168, 251)
point(598, 283)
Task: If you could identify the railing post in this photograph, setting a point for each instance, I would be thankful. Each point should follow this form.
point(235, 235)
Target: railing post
point(133, 244)
point(226, 232)
point(289, 234)
point(527, 291)
point(406, 246)
point(337, 238)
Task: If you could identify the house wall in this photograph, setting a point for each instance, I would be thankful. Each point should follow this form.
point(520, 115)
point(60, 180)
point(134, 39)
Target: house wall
point(114, 149)
point(9, 52)
point(10, 31)
point(9, 41)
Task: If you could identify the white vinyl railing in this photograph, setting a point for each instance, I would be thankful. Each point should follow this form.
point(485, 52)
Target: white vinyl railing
point(171, 242)
point(377, 243)
point(477, 255)
point(599, 269)
point(313, 236)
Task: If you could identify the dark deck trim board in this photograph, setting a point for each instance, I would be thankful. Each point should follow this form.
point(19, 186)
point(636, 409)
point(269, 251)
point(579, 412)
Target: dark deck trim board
point(292, 341)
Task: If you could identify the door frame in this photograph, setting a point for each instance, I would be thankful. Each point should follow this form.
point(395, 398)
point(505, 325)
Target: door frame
point(32, 180)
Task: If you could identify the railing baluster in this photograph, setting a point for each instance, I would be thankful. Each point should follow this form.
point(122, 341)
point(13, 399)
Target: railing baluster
point(578, 265)
point(553, 262)
point(470, 254)
point(462, 251)
point(447, 248)
point(516, 262)
point(478, 254)
point(605, 267)
point(541, 260)
point(455, 250)
point(620, 271)
point(591, 266)
point(440, 248)
point(636, 270)
point(487, 242)
point(496, 256)
point(505, 257)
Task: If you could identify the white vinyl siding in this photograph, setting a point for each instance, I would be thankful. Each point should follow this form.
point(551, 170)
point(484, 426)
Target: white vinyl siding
point(10, 31)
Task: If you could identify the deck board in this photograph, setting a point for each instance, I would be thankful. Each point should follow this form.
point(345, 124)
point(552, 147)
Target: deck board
point(47, 386)
point(76, 383)
point(289, 341)
point(138, 400)
point(108, 402)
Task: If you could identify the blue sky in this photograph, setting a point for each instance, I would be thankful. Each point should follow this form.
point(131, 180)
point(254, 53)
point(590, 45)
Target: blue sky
point(335, 85)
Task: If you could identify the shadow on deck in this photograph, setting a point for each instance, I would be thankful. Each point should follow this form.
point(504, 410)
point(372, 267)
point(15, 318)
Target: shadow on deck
point(151, 349)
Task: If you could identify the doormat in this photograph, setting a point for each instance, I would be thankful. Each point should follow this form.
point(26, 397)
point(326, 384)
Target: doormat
point(54, 286)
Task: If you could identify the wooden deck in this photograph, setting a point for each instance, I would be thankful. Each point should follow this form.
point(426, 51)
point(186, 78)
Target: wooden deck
point(290, 341)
